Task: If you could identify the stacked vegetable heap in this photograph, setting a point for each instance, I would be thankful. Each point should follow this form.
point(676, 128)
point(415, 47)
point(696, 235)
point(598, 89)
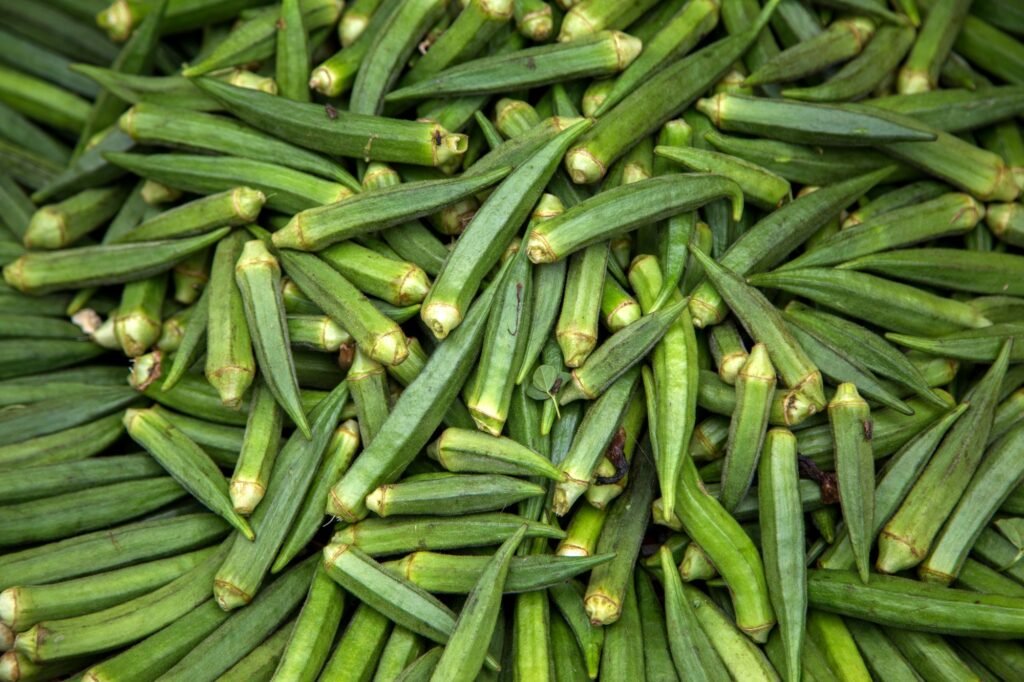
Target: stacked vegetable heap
point(506, 340)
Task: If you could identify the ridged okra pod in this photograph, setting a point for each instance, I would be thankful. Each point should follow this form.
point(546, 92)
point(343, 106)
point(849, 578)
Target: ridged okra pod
point(850, 418)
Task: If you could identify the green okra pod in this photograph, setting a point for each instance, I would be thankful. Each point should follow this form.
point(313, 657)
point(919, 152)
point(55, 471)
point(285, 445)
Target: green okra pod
point(186, 462)
point(583, 531)
point(255, 38)
point(950, 214)
point(998, 474)
point(380, 338)
point(405, 534)
point(121, 624)
point(782, 543)
point(57, 226)
point(568, 598)
point(258, 278)
point(842, 40)
point(728, 350)
point(137, 322)
point(907, 537)
point(464, 653)
point(53, 415)
point(261, 662)
point(230, 365)
point(43, 102)
point(755, 384)
point(40, 273)
point(488, 392)
point(585, 18)
point(935, 39)
point(824, 124)
point(341, 449)
point(657, 100)
point(245, 567)
point(470, 451)
point(603, 53)
point(696, 565)
point(623, 657)
point(291, 64)
point(258, 450)
point(313, 229)
point(761, 187)
point(238, 206)
point(313, 633)
point(316, 332)
point(692, 652)
point(457, 573)
point(977, 345)
point(736, 648)
point(402, 648)
point(620, 210)
point(866, 71)
point(450, 495)
point(171, 127)
point(957, 110)
point(595, 433)
point(850, 419)
point(368, 387)
point(909, 310)
point(489, 232)
point(23, 607)
point(932, 608)
point(359, 647)
point(44, 479)
point(984, 272)
point(577, 325)
point(766, 325)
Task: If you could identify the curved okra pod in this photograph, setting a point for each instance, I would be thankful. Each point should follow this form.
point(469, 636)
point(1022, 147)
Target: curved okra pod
point(620, 210)
point(850, 419)
point(464, 653)
point(907, 537)
point(845, 125)
point(948, 215)
point(755, 385)
point(983, 272)
point(842, 40)
point(761, 187)
point(601, 54)
point(489, 233)
point(470, 451)
point(43, 272)
point(766, 325)
point(373, 210)
point(861, 75)
point(186, 462)
point(905, 603)
point(418, 411)
point(379, 337)
point(657, 100)
point(1000, 471)
point(258, 277)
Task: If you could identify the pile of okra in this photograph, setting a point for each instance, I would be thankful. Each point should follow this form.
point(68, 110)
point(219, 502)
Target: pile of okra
point(511, 340)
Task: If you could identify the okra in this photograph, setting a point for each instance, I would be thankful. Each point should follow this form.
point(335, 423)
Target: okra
point(850, 419)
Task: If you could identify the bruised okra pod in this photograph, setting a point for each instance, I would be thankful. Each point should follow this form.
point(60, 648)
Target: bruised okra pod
point(851, 423)
point(258, 276)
